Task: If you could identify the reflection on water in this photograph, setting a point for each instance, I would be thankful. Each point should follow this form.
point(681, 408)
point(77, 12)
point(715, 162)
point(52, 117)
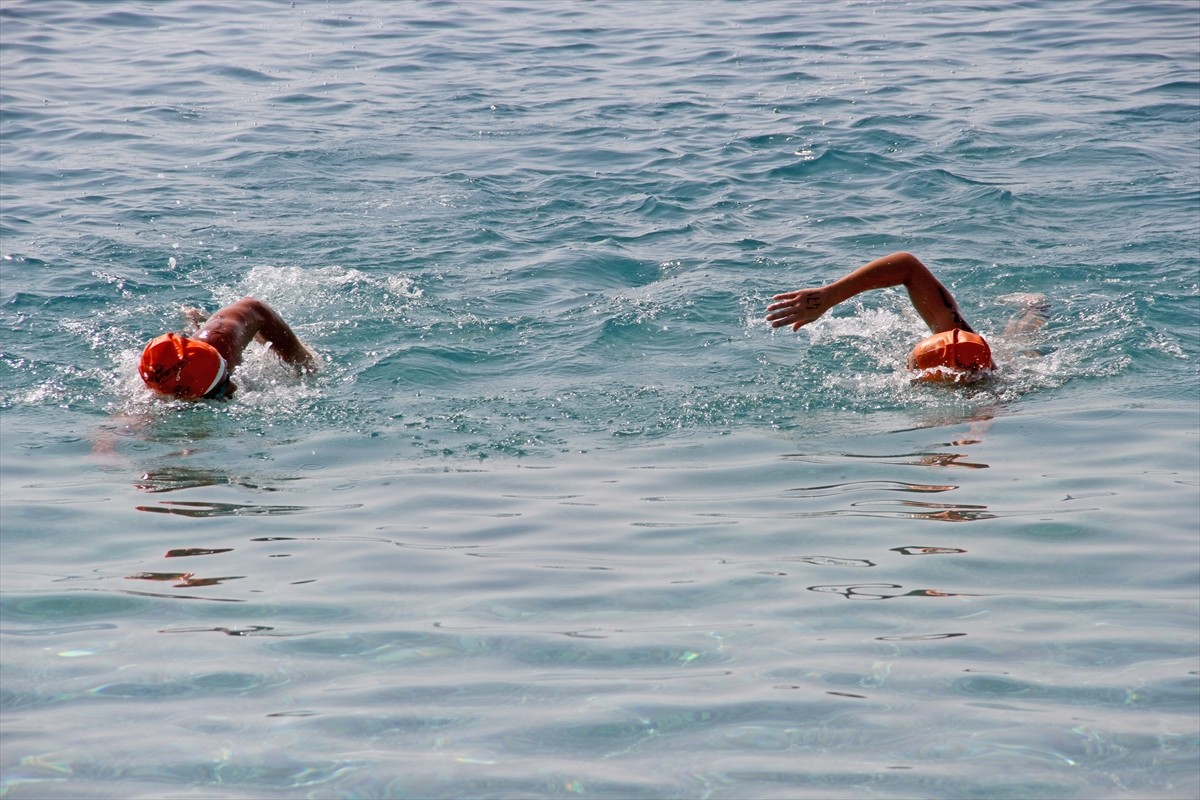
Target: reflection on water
point(937, 512)
point(951, 514)
point(618, 600)
point(173, 596)
point(912, 459)
point(913, 550)
point(187, 552)
point(880, 591)
point(240, 630)
point(490, 570)
point(191, 508)
point(186, 579)
point(828, 561)
point(879, 486)
point(602, 652)
point(923, 637)
point(176, 477)
point(829, 490)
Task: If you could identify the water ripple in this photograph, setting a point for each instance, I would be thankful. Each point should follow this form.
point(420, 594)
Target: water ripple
point(194, 508)
point(566, 502)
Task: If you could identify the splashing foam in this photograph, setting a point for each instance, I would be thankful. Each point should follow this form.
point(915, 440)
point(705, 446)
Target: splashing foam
point(305, 292)
point(265, 384)
point(304, 297)
point(873, 344)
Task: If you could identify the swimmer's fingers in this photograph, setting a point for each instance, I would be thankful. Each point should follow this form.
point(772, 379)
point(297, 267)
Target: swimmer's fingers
point(802, 299)
point(194, 317)
point(315, 364)
point(1025, 301)
point(795, 308)
point(309, 361)
point(789, 298)
point(791, 317)
point(780, 314)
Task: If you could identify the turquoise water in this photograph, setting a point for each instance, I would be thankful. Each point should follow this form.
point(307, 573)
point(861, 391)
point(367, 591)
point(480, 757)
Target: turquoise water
point(561, 516)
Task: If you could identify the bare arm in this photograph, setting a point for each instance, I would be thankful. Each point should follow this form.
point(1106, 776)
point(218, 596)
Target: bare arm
point(929, 297)
point(235, 326)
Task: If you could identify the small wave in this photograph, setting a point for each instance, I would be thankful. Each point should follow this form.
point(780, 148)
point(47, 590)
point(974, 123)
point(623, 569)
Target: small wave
point(317, 291)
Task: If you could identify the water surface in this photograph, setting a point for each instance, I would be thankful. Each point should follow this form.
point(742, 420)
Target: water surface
point(561, 516)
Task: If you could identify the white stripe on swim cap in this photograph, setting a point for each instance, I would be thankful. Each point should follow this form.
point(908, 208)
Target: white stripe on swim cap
point(220, 375)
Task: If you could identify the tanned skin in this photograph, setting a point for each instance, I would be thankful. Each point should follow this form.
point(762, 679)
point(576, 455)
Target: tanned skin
point(929, 297)
point(235, 326)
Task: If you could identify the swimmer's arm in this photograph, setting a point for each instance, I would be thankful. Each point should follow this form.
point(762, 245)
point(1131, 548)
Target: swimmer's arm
point(249, 319)
point(194, 319)
point(929, 297)
point(284, 341)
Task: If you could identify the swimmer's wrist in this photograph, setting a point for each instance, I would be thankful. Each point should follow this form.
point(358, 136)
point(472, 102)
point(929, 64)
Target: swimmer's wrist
point(833, 295)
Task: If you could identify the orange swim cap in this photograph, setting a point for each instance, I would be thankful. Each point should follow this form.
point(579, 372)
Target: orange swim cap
point(181, 367)
point(955, 352)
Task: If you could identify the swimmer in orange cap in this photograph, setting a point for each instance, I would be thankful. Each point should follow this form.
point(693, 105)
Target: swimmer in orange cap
point(200, 365)
point(954, 353)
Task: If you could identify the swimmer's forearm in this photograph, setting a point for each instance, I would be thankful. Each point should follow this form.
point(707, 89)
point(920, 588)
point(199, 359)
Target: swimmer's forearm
point(930, 298)
point(289, 348)
point(897, 269)
point(284, 341)
point(800, 307)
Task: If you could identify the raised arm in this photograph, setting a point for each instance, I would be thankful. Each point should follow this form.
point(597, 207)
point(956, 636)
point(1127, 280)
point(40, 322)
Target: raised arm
point(235, 326)
point(929, 297)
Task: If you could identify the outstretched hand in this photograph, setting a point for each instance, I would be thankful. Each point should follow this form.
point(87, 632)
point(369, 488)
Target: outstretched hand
point(797, 308)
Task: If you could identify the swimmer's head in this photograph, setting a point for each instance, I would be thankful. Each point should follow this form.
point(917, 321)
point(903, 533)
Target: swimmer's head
point(186, 368)
point(954, 356)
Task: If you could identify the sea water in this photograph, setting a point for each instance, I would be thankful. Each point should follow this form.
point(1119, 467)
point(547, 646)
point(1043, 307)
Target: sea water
point(561, 516)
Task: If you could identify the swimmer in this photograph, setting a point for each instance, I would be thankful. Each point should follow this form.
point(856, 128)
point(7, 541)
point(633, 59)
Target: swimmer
point(199, 365)
point(955, 353)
